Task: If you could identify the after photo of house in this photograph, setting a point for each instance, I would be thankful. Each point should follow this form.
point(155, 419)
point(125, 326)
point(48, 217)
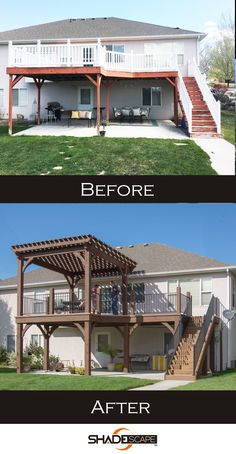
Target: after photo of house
point(90, 305)
point(113, 95)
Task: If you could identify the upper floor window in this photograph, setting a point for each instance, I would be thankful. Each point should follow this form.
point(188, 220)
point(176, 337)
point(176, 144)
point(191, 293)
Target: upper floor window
point(180, 59)
point(151, 96)
point(115, 48)
point(20, 97)
point(1, 97)
point(206, 291)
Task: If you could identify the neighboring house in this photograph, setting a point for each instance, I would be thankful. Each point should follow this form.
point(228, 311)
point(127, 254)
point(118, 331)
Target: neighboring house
point(168, 300)
point(106, 62)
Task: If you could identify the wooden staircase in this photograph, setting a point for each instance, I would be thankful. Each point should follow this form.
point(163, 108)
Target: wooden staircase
point(182, 364)
point(203, 123)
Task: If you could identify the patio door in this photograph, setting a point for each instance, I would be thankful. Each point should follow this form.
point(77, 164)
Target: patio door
point(102, 340)
point(85, 98)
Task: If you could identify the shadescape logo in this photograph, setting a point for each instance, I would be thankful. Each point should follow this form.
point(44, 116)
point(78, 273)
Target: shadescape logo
point(121, 441)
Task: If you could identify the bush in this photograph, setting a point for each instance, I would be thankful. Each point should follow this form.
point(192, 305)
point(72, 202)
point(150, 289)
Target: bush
point(55, 364)
point(80, 370)
point(11, 359)
point(34, 349)
point(3, 354)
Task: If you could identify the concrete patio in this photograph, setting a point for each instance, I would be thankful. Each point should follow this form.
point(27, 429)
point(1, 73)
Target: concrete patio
point(163, 130)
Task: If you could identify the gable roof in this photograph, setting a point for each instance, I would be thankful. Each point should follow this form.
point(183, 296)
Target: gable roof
point(151, 258)
point(101, 27)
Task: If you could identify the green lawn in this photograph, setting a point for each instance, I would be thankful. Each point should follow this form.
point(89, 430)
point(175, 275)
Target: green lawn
point(11, 381)
point(222, 382)
point(228, 126)
point(98, 155)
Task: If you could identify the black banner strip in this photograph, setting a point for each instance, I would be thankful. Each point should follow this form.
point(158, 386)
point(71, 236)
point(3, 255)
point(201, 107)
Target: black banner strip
point(166, 189)
point(166, 407)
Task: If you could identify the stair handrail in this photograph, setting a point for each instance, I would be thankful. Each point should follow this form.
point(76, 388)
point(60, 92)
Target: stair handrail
point(186, 102)
point(213, 105)
point(213, 310)
point(178, 334)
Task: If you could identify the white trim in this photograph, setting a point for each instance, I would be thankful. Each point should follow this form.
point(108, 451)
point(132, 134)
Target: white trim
point(106, 38)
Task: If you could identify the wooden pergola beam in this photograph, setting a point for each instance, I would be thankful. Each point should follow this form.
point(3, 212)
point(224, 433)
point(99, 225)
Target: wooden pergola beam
point(39, 83)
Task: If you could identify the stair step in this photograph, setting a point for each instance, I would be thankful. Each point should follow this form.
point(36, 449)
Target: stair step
point(202, 117)
point(204, 129)
point(204, 123)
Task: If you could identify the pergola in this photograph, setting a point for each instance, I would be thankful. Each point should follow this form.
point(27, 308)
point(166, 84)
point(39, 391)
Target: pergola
point(76, 258)
point(96, 76)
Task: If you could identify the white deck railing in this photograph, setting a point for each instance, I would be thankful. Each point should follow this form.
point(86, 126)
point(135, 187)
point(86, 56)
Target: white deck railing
point(70, 54)
point(186, 102)
point(213, 105)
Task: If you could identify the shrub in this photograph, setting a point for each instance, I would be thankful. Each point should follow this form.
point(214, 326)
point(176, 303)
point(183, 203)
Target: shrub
point(11, 359)
point(34, 349)
point(55, 364)
point(80, 370)
point(3, 354)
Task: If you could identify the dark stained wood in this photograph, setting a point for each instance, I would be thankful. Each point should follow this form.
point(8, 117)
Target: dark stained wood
point(19, 348)
point(178, 300)
point(126, 348)
point(91, 79)
point(87, 281)
point(20, 287)
point(51, 301)
point(87, 348)
point(46, 351)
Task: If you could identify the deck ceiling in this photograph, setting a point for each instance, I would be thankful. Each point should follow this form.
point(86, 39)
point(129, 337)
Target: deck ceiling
point(67, 256)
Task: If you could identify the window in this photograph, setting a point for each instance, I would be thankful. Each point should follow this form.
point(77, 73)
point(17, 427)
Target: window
point(20, 97)
point(1, 97)
point(206, 291)
point(115, 48)
point(37, 339)
point(180, 59)
point(102, 341)
point(11, 343)
point(85, 96)
point(151, 96)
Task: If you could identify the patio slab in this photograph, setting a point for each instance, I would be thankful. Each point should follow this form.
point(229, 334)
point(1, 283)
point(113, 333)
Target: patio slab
point(165, 130)
point(163, 386)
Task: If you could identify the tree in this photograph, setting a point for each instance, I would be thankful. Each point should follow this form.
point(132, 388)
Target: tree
point(217, 57)
point(221, 60)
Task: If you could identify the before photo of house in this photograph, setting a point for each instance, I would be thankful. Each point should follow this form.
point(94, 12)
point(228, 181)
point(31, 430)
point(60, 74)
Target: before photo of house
point(113, 77)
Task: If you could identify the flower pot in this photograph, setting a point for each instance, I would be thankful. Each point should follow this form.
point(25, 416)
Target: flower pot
point(111, 367)
point(102, 133)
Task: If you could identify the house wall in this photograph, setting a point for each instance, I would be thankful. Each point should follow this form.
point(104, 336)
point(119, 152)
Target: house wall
point(145, 339)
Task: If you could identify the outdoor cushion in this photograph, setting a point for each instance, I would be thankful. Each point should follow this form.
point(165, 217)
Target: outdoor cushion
point(75, 114)
point(145, 112)
point(82, 114)
point(136, 111)
point(117, 112)
point(126, 111)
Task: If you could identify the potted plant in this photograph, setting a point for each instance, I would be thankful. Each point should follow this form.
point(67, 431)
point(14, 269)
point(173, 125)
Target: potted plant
point(103, 123)
point(26, 363)
point(112, 352)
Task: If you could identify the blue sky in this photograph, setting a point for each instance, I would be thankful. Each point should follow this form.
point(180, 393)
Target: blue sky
point(207, 229)
point(183, 13)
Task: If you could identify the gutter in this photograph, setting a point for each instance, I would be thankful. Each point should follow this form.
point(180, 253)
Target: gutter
point(134, 275)
point(108, 38)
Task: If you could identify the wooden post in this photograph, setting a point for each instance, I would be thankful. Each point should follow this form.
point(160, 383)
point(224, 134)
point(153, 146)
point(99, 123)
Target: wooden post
point(124, 293)
point(176, 102)
point(107, 101)
point(221, 350)
point(99, 79)
point(87, 281)
point(132, 301)
point(20, 287)
point(19, 348)
point(189, 302)
point(87, 348)
point(10, 106)
point(98, 300)
point(212, 352)
point(51, 300)
point(46, 352)
point(39, 102)
point(178, 300)
point(126, 349)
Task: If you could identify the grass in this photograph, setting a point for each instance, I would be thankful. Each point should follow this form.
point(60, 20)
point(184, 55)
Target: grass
point(228, 126)
point(220, 382)
point(11, 381)
point(97, 155)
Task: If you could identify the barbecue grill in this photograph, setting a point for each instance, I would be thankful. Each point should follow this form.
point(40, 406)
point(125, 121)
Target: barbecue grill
point(54, 108)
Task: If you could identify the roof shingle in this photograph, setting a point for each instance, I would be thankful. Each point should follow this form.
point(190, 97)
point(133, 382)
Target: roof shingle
point(101, 27)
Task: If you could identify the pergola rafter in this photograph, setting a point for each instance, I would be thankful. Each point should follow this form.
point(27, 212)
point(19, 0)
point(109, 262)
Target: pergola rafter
point(81, 257)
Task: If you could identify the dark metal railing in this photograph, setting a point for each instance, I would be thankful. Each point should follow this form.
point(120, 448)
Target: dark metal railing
point(214, 310)
point(102, 302)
